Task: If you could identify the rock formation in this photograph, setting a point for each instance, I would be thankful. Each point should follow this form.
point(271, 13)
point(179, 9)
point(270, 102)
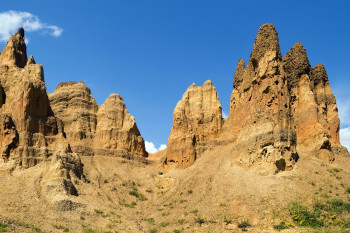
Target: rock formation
point(108, 129)
point(29, 131)
point(313, 104)
point(117, 132)
point(260, 114)
point(73, 104)
point(280, 109)
point(197, 118)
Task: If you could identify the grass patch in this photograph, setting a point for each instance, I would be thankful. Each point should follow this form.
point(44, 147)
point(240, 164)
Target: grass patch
point(3, 227)
point(134, 192)
point(228, 219)
point(151, 221)
point(88, 230)
point(164, 224)
point(244, 224)
point(153, 231)
point(189, 191)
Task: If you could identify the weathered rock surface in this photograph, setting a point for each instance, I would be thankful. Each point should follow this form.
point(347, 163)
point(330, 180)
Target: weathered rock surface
point(108, 129)
point(313, 104)
point(260, 115)
point(29, 131)
point(73, 103)
point(280, 109)
point(116, 130)
point(197, 118)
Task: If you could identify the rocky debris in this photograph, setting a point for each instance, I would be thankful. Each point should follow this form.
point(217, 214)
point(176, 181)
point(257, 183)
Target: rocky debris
point(197, 118)
point(117, 130)
point(73, 103)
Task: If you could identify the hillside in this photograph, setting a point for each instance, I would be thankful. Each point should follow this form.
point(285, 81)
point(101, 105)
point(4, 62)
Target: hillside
point(276, 163)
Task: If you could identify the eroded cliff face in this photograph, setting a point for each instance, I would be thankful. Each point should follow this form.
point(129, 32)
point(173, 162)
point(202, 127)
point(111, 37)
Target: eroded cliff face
point(117, 132)
point(108, 129)
point(280, 109)
point(197, 118)
point(73, 103)
point(260, 114)
point(313, 104)
point(29, 131)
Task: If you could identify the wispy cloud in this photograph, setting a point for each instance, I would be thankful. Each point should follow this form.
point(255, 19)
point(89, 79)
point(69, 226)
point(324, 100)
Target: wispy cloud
point(224, 114)
point(10, 21)
point(151, 148)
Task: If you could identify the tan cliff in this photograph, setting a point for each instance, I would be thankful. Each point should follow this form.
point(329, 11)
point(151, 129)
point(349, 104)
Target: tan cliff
point(108, 129)
point(281, 109)
point(197, 118)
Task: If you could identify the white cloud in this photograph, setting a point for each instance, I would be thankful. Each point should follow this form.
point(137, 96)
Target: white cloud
point(151, 148)
point(224, 114)
point(345, 137)
point(10, 21)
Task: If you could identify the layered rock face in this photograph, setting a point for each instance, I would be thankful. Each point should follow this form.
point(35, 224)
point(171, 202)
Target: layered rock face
point(197, 118)
point(260, 114)
point(29, 131)
point(117, 131)
point(26, 116)
point(108, 129)
point(73, 103)
point(313, 104)
point(281, 109)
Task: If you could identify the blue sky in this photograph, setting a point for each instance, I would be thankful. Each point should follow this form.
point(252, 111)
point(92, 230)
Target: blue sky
point(149, 52)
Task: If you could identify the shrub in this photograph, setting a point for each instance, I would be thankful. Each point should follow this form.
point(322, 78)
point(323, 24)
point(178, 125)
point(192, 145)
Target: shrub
point(244, 224)
point(200, 220)
point(227, 219)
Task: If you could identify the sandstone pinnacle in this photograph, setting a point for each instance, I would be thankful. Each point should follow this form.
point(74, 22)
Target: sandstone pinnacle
point(238, 76)
point(266, 40)
point(296, 63)
point(197, 118)
point(15, 51)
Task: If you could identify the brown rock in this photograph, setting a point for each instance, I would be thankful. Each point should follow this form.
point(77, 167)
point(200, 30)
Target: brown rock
point(73, 103)
point(197, 118)
point(117, 130)
point(29, 131)
point(259, 117)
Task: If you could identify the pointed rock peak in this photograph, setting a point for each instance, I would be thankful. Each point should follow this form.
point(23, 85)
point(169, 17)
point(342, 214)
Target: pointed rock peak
point(319, 74)
point(20, 32)
point(31, 60)
point(208, 83)
point(114, 98)
point(15, 51)
point(296, 63)
point(266, 40)
point(238, 76)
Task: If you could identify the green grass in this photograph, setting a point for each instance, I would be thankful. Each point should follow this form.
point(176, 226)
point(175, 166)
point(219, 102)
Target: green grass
point(134, 192)
point(347, 189)
point(153, 231)
point(88, 230)
point(97, 211)
point(3, 227)
point(151, 221)
point(164, 224)
point(228, 219)
point(189, 191)
point(244, 224)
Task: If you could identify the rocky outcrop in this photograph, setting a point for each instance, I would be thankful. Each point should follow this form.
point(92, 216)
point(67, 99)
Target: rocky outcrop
point(73, 103)
point(280, 109)
point(108, 129)
point(116, 131)
point(197, 118)
point(260, 114)
point(29, 131)
point(313, 104)
point(26, 116)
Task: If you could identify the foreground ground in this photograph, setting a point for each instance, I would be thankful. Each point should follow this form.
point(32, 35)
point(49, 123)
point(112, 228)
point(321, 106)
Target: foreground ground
point(213, 195)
